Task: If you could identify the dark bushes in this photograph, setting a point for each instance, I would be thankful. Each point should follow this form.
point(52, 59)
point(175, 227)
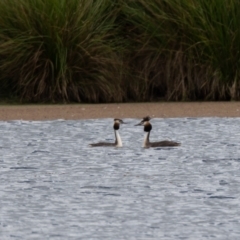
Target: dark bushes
point(114, 51)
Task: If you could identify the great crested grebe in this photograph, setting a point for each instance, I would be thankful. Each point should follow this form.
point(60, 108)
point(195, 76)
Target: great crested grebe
point(118, 141)
point(147, 128)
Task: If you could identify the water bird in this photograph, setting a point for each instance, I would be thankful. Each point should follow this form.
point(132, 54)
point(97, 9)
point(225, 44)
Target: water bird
point(118, 140)
point(147, 128)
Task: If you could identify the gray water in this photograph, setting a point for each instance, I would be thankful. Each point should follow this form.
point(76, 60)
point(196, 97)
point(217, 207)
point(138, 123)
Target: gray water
point(54, 186)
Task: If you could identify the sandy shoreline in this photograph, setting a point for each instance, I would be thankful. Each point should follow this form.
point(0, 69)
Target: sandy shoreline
point(122, 110)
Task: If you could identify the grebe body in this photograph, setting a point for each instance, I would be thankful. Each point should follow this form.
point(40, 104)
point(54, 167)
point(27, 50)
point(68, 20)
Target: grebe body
point(118, 140)
point(147, 128)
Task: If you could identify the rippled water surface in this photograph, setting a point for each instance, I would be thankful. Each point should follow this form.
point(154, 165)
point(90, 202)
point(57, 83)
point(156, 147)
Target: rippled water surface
point(54, 186)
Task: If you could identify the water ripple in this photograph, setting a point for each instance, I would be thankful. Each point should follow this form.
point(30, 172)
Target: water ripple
point(54, 186)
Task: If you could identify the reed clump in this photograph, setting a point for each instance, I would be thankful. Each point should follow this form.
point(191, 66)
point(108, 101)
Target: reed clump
point(118, 51)
point(185, 50)
point(60, 50)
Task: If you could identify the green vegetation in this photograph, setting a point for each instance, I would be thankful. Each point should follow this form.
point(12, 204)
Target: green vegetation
point(118, 50)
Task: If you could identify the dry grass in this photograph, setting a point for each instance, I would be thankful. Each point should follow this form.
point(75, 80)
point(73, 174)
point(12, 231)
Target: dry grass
point(116, 51)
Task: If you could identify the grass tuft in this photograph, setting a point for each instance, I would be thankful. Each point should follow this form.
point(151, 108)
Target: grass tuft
point(115, 51)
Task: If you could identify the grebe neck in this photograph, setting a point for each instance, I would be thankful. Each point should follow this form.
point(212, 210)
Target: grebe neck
point(146, 141)
point(118, 141)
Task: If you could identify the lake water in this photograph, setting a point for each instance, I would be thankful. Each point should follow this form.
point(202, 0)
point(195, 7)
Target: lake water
point(54, 186)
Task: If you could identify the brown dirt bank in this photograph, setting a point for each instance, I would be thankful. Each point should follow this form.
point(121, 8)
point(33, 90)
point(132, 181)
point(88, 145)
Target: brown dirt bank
point(123, 110)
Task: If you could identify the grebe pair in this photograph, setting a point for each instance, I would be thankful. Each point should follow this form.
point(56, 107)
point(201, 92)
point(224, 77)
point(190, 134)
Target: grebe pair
point(147, 128)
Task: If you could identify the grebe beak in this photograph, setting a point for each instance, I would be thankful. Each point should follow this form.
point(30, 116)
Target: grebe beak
point(139, 124)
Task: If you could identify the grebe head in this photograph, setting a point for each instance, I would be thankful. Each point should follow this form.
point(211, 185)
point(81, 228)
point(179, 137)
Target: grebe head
point(117, 123)
point(145, 122)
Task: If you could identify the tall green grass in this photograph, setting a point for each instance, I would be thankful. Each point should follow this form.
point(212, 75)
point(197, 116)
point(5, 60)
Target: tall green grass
point(60, 50)
point(185, 50)
point(114, 51)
